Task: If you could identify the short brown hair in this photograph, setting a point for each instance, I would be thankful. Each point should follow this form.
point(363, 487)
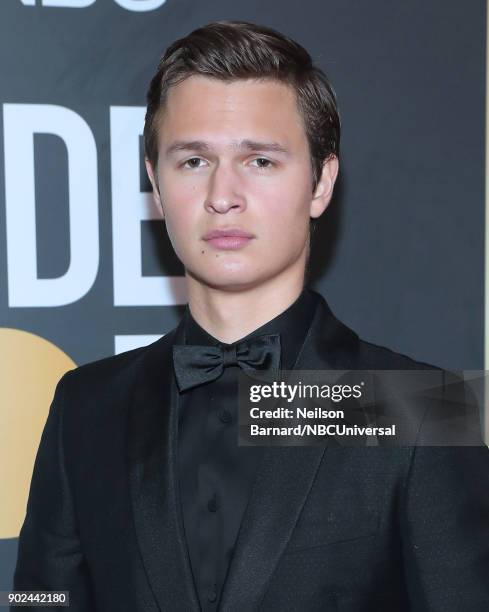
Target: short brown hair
point(231, 50)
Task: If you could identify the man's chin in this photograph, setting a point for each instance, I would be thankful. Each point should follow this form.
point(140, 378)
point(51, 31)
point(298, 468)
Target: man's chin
point(231, 281)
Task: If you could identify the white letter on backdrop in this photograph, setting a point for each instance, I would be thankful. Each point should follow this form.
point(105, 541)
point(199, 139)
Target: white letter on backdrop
point(140, 5)
point(21, 122)
point(130, 206)
point(68, 3)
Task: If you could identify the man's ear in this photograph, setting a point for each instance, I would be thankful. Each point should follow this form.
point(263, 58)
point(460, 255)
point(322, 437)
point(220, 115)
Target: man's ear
point(154, 184)
point(324, 189)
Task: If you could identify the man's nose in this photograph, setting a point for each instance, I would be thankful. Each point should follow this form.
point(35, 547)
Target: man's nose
point(225, 191)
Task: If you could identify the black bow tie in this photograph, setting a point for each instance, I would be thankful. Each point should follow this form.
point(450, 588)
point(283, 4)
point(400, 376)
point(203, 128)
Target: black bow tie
point(195, 364)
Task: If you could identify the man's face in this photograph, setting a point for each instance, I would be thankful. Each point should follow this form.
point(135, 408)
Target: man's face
point(235, 156)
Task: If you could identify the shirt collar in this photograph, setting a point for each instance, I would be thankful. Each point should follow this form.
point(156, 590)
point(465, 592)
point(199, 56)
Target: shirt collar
point(292, 324)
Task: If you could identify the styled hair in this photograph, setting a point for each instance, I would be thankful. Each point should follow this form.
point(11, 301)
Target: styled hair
point(232, 50)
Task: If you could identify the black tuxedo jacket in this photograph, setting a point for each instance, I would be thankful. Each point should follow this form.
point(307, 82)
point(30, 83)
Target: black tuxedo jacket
point(327, 528)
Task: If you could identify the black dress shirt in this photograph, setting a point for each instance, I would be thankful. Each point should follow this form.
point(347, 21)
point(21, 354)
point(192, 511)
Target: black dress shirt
point(215, 473)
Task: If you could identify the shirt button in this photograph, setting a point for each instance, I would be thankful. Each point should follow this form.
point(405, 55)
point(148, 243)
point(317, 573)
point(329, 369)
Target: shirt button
point(212, 504)
point(212, 595)
point(224, 415)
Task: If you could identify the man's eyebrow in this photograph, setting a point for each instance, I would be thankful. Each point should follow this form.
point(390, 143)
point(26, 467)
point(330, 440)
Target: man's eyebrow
point(187, 145)
point(247, 145)
point(253, 145)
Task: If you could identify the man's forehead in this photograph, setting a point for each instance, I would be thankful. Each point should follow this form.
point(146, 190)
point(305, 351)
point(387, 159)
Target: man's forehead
point(245, 144)
point(196, 95)
point(244, 114)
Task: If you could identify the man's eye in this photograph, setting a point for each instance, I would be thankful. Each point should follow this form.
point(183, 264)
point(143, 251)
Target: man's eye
point(193, 162)
point(262, 162)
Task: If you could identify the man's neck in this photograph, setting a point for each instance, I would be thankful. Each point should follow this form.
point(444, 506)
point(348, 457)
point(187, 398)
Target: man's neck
point(229, 316)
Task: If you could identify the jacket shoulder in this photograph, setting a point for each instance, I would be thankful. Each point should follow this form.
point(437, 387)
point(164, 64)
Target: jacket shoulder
point(377, 357)
point(118, 369)
point(345, 349)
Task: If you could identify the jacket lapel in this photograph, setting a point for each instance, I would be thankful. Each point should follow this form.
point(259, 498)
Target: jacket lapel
point(279, 492)
point(153, 478)
point(284, 478)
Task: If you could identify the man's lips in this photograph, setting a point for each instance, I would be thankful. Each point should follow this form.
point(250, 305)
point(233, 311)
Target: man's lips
point(228, 239)
point(219, 233)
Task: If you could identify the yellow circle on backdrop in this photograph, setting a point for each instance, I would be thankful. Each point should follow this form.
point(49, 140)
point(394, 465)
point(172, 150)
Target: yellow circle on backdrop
point(30, 368)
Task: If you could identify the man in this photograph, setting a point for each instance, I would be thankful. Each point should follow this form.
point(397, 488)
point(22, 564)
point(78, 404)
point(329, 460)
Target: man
point(141, 498)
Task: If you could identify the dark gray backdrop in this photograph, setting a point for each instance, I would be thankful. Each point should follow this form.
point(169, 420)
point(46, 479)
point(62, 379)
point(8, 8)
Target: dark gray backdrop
point(401, 249)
